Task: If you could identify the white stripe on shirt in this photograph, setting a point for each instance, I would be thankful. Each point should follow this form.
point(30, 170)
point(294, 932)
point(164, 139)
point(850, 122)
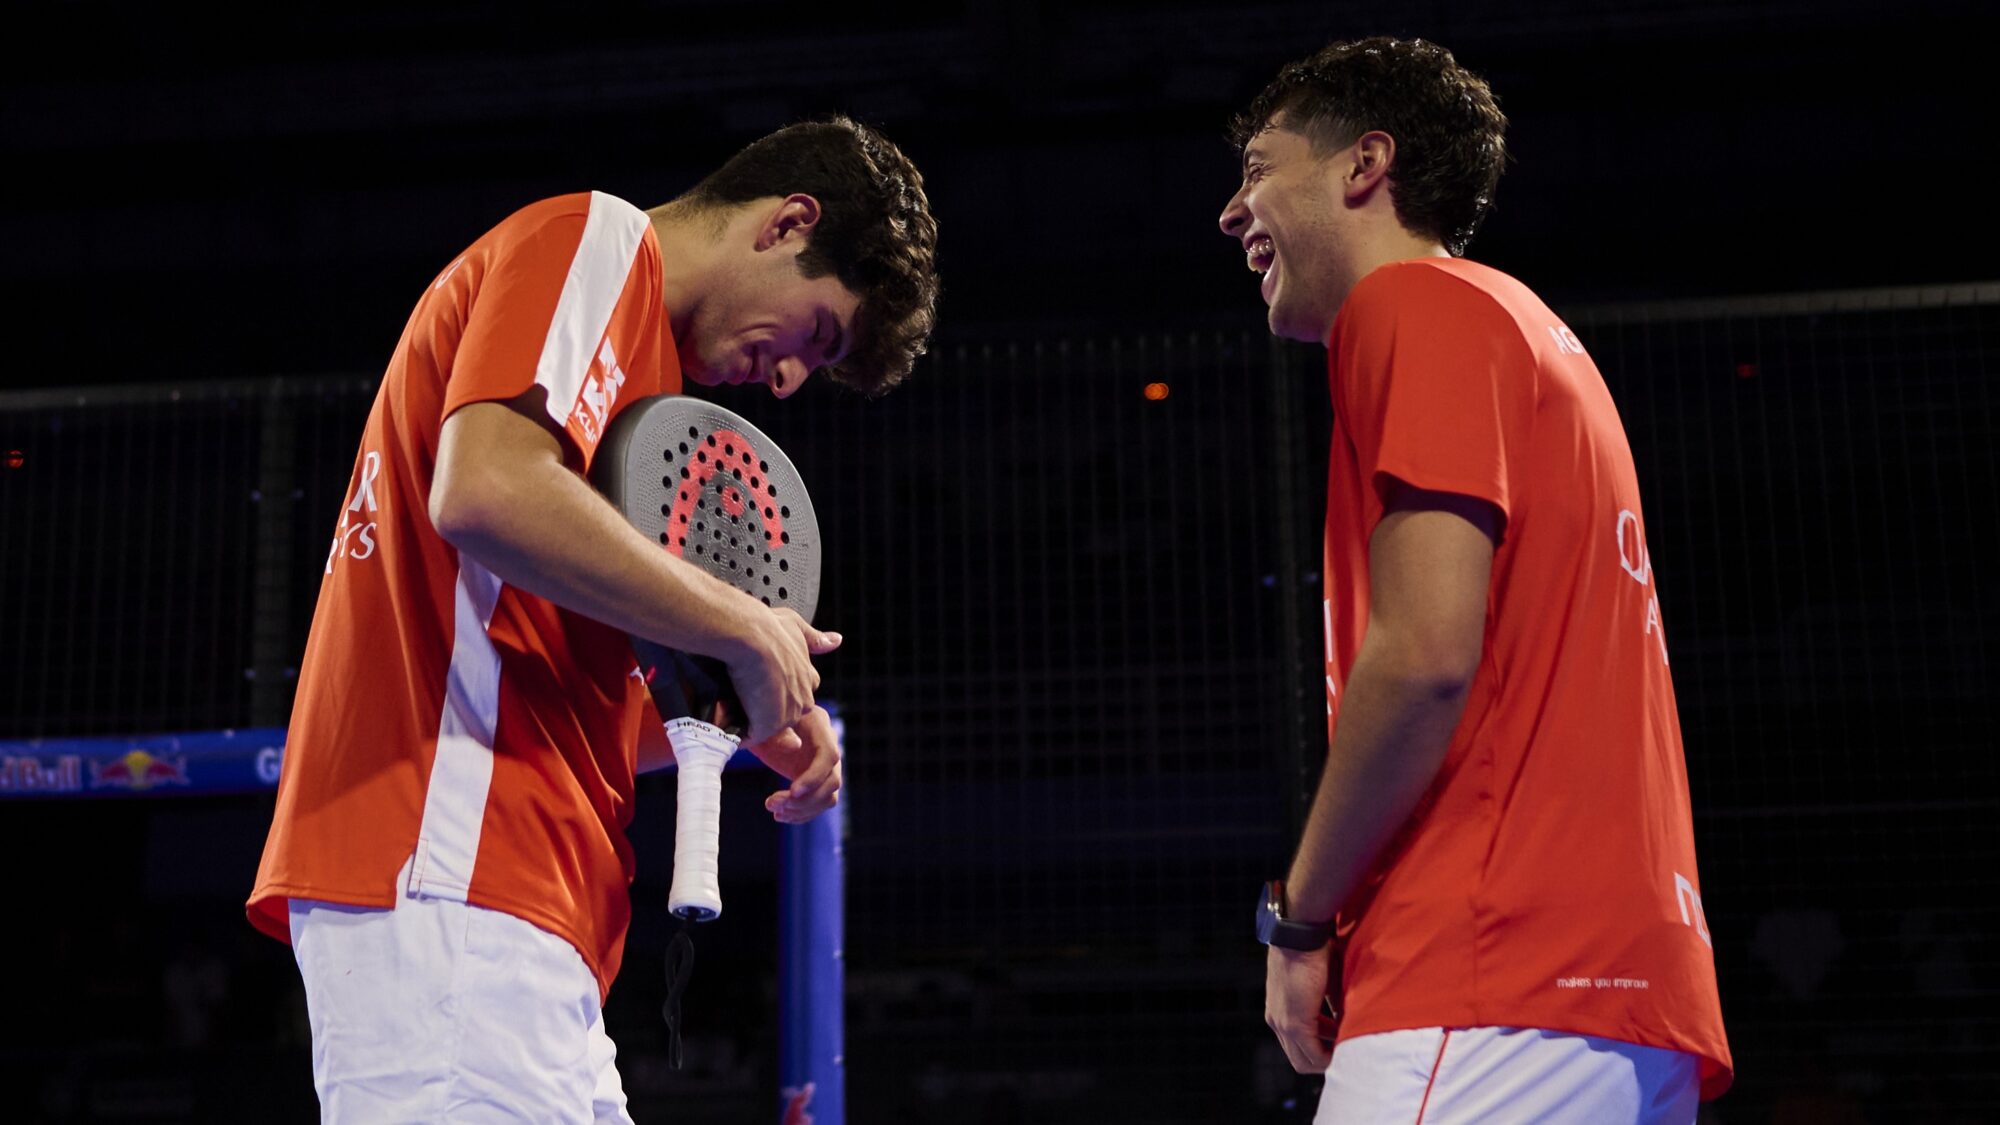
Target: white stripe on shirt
point(462, 772)
point(611, 237)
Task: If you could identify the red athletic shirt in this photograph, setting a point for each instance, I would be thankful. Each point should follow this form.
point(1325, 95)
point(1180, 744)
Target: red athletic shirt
point(1547, 879)
point(443, 717)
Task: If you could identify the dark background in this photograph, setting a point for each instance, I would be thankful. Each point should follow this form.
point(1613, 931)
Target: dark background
point(196, 194)
point(1080, 688)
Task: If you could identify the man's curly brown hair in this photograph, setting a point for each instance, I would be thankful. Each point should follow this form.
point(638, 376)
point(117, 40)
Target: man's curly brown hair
point(1450, 133)
point(875, 233)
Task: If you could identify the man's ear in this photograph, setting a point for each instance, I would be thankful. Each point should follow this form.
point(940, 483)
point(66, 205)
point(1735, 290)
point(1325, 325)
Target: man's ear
point(1369, 163)
point(795, 216)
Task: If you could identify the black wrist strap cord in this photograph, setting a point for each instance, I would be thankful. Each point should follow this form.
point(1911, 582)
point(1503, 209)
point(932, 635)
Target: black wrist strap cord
point(680, 965)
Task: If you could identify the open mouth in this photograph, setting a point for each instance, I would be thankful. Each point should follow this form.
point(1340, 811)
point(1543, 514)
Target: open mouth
point(1261, 254)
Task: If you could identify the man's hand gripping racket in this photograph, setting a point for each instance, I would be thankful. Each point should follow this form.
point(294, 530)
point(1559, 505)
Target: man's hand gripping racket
point(715, 491)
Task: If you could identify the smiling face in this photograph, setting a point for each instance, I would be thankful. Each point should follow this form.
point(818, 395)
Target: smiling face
point(1288, 216)
point(763, 320)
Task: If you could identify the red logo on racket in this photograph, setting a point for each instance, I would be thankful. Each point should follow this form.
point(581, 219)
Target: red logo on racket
point(728, 454)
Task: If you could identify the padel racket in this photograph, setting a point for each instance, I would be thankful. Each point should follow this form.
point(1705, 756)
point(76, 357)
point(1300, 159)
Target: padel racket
point(715, 491)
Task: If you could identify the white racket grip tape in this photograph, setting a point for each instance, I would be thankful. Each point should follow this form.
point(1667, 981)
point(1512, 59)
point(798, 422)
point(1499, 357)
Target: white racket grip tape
point(700, 750)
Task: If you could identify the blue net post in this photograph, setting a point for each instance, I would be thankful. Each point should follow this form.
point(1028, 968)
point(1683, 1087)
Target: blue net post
point(812, 1073)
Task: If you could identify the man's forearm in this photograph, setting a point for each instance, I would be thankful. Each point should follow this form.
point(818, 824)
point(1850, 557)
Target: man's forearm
point(542, 529)
point(1396, 723)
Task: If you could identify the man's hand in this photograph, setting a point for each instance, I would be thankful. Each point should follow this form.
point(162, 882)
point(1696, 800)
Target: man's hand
point(774, 676)
point(809, 757)
point(1294, 999)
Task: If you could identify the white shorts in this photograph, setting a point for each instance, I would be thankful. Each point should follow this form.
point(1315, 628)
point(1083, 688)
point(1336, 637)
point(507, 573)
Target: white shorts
point(1499, 1075)
point(441, 1011)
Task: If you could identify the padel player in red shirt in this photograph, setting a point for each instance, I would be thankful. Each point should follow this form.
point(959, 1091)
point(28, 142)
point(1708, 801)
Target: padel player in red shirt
point(1500, 852)
point(448, 854)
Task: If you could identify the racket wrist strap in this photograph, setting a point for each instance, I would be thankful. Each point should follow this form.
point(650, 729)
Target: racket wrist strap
point(680, 966)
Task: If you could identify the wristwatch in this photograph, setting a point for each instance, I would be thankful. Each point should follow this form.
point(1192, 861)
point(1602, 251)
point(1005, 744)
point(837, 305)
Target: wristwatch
point(1273, 928)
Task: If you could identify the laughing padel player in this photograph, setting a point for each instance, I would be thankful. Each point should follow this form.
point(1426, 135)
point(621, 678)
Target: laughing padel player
point(448, 857)
point(1502, 836)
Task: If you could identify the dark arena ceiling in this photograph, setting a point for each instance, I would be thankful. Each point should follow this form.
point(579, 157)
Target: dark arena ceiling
point(196, 194)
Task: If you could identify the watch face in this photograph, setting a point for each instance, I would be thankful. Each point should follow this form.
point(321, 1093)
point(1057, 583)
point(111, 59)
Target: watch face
point(1274, 929)
point(1267, 914)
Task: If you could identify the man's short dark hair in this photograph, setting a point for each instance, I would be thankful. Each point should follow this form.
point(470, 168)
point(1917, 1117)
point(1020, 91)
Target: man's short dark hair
point(1450, 133)
point(875, 233)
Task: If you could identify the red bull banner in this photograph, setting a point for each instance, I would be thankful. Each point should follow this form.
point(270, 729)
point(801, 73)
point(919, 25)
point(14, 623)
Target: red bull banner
point(203, 763)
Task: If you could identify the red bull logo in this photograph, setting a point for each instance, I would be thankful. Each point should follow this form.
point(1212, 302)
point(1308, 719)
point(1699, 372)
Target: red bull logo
point(798, 1104)
point(139, 770)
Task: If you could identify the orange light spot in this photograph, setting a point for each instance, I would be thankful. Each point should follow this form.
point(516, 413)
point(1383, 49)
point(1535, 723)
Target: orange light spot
point(1156, 391)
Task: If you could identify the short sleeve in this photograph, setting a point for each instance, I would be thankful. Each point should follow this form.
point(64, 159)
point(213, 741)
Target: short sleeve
point(547, 286)
point(516, 282)
point(1436, 383)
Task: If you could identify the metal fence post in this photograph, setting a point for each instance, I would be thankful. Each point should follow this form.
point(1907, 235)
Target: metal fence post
point(812, 1067)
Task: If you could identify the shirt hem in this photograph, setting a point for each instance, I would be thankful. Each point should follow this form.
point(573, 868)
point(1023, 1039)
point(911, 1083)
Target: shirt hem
point(268, 911)
point(543, 920)
point(1717, 1073)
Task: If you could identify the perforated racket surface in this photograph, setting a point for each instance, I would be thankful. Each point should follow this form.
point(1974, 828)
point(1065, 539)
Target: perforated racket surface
point(718, 492)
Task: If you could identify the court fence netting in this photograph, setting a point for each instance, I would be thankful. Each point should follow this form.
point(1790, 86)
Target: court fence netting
point(1078, 577)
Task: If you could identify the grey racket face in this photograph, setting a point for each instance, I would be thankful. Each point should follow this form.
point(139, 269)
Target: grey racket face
point(715, 490)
